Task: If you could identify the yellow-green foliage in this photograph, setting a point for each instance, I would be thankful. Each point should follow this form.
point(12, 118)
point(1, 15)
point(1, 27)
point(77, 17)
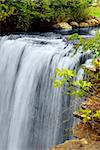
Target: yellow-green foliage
point(5, 11)
point(88, 115)
point(78, 88)
point(92, 44)
point(85, 114)
point(97, 114)
point(75, 88)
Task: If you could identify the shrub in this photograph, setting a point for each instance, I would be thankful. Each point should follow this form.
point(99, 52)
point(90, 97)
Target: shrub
point(25, 12)
point(6, 11)
point(77, 9)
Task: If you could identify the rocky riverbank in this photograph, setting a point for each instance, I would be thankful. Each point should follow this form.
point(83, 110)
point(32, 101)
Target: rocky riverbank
point(93, 22)
point(9, 27)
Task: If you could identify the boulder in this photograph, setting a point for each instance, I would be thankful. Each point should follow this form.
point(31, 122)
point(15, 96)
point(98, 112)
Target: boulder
point(74, 24)
point(98, 19)
point(93, 22)
point(62, 25)
point(83, 24)
point(90, 23)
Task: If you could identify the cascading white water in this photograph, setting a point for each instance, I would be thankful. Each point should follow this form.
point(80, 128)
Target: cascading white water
point(29, 105)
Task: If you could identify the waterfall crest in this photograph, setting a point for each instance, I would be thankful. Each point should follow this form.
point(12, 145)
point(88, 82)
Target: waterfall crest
point(29, 105)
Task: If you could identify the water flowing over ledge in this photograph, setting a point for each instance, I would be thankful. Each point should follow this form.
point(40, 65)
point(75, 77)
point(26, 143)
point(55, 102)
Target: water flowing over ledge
point(29, 105)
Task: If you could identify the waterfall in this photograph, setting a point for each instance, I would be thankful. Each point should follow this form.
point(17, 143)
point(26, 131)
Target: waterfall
point(31, 109)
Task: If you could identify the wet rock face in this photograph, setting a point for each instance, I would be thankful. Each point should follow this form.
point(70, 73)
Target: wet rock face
point(85, 131)
point(92, 128)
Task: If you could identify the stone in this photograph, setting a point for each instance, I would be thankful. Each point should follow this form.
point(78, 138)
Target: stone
point(93, 22)
point(62, 25)
point(74, 24)
point(89, 22)
point(77, 144)
point(83, 24)
point(98, 19)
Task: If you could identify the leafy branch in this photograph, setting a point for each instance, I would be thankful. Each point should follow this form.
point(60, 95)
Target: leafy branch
point(76, 88)
point(92, 44)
